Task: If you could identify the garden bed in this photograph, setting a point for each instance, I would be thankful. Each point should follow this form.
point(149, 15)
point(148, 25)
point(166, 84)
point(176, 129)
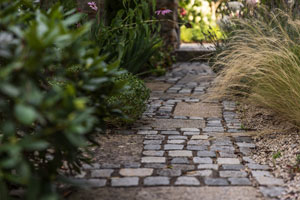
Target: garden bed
point(278, 145)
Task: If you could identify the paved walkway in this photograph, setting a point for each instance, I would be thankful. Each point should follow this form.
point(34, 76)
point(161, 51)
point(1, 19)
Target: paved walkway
point(189, 148)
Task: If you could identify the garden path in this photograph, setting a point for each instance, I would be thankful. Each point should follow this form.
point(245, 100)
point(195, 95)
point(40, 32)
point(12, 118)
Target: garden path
point(183, 148)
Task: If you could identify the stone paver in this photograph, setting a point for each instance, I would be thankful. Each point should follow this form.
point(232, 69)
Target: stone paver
point(136, 172)
point(187, 181)
point(182, 140)
point(124, 182)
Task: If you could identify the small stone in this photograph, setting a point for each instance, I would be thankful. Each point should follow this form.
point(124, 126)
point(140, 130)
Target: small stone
point(233, 167)
point(248, 145)
point(258, 166)
point(152, 141)
point(208, 166)
point(147, 132)
point(153, 153)
point(190, 129)
point(232, 174)
point(101, 173)
point(152, 147)
point(213, 129)
point(155, 166)
point(182, 153)
point(187, 181)
point(157, 180)
point(169, 172)
point(226, 149)
point(215, 181)
point(110, 166)
point(136, 172)
point(239, 181)
point(180, 161)
point(170, 133)
point(196, 148)
point(230, 161)
point(191, 133)
point(245, 151)
point(272, 191)
point(132, 165)
point(200, 137)
point(261, 173)
point(173, 147)
point(202, 160)
point(154, 137)
point(176, 141)
point(206, 154)
point(227, 155)
point(183, 167)
point(153, 159)
point(203, 173)
point(177, 137)
point(125, 182)
point(262, 180)
point(198, 142)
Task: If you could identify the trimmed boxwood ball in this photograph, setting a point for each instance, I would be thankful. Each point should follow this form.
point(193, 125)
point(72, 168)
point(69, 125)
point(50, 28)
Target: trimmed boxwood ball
point(132, 101)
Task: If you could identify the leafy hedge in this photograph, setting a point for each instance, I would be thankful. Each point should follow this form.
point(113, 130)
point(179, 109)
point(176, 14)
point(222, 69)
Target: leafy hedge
point(48, 112)
point(131, 101)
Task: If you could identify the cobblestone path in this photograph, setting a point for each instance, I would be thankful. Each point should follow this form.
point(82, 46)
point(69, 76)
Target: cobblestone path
point(192, 148)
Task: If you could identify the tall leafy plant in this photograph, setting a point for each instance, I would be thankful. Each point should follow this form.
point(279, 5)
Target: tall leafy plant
point(131, 37)
point(47, 111)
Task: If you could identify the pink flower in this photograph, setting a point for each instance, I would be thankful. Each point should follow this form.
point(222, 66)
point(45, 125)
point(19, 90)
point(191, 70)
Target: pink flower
point(163, 11)
point(252, 2)
point(183, 12)
point(93, 6)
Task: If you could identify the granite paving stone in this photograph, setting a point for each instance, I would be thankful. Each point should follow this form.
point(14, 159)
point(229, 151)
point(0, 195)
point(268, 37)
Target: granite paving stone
point(272, 191)
point(157, 180)
point(203, 173)
point(208, 166)
point(136, 172)
point(152, 147)
point(175, 141)
point(187, 181)
point(183, 153)
point(200, 137)
point(125, 182)
point(180, 161)
point(196, 147)
point(170, 132)
point(233, 167)
point(215, 181)
point(206, 154)
point(230, 161)
point(152, 141)
point(101, 173)
point(153, 159)
point(202, 160)
point(263, 180)
point(169, 172)
point(173, 147)
point(153, 153)
point(232, 174)
point(239, 181)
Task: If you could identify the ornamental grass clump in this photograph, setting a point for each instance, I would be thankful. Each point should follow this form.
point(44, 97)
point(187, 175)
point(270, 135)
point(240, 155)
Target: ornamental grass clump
point(262, 64)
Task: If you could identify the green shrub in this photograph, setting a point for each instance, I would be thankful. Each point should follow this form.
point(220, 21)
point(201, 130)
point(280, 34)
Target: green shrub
point(262, 63)
point(132, 101)
point(44, 127)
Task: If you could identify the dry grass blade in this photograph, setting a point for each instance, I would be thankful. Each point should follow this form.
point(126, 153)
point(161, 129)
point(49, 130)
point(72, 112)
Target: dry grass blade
point(262, 64)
